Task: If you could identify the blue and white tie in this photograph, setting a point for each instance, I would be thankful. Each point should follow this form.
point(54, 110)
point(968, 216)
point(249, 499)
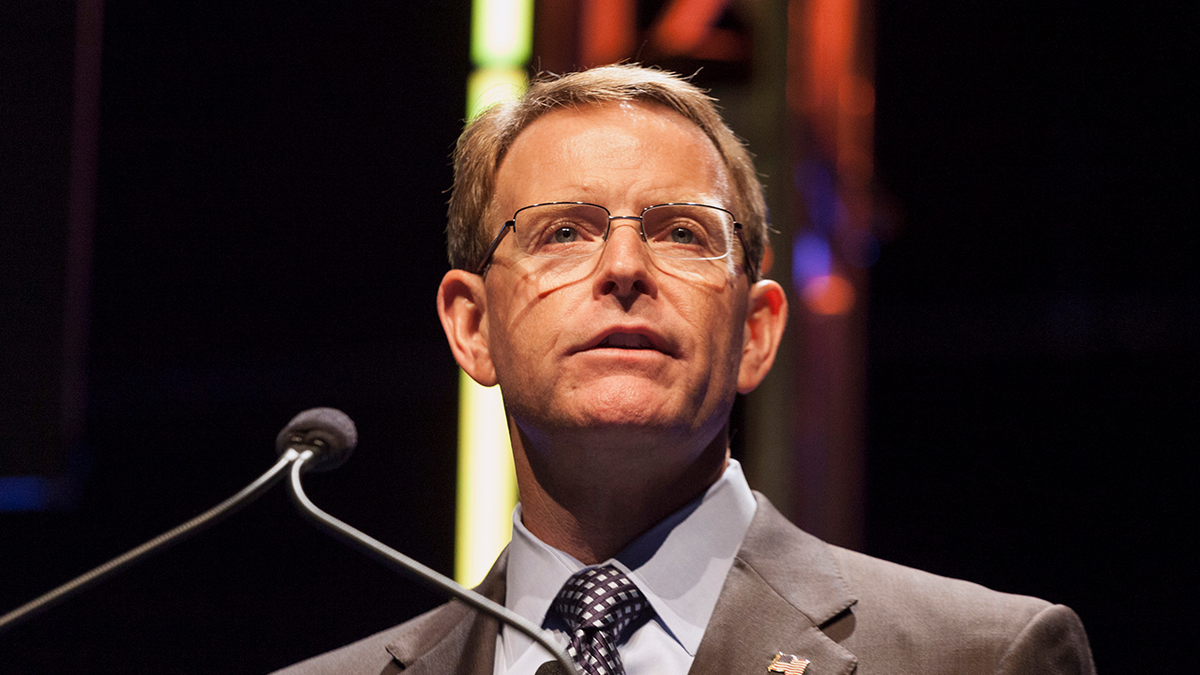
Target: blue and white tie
point(599, 604)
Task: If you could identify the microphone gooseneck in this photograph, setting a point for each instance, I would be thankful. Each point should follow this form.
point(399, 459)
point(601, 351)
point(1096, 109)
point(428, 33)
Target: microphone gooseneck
point(315, 440)
point(210, 517)
point(402, 563)
point(325, 433)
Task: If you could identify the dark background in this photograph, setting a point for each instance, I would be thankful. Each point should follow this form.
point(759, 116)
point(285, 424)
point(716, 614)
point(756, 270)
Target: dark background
point(1033, 385)
point(269, 238)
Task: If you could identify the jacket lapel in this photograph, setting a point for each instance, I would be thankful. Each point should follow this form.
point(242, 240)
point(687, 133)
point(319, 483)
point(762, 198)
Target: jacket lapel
point(783, 587)
point(455, 640)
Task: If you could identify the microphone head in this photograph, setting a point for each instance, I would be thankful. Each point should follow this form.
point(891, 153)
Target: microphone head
point(328, 432)
point(550, 668)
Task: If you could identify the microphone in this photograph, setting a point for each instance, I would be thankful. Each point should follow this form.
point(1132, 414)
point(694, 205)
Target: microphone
point(318, 439)
point(326, 437)
point(328, 432)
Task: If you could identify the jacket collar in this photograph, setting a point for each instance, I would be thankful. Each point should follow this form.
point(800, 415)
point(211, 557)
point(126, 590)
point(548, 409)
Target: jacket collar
point(783, 588)
point(454, 639)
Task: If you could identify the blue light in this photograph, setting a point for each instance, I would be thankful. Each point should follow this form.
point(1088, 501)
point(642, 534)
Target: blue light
point(23, 493)
point(811, 258)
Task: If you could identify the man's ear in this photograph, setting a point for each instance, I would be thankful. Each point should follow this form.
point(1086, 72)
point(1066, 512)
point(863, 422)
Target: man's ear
point(462, 305)
point(766, 316)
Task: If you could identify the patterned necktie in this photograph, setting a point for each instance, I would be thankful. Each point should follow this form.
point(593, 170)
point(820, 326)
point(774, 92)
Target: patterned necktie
point(598, 604)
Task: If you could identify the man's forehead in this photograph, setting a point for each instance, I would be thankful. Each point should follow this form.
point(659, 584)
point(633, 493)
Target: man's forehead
point(592, 130)
point(587, 115)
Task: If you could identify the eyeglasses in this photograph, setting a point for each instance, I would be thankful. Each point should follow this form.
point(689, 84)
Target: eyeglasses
point(570, 230)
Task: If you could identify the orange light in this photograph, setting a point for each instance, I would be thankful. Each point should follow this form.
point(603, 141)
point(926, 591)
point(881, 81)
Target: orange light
point(686, 23)
point(831, 38)
point(607, 31)
point(829, 295)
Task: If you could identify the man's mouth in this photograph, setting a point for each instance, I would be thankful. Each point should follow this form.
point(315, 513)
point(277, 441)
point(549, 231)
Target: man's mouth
point(625, 341)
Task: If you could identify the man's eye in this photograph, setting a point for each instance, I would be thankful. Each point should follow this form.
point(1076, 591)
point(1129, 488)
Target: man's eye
point(682, 235)
point(565, 235)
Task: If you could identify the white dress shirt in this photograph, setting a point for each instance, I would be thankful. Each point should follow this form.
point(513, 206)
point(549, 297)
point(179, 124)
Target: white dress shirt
point(679, 565)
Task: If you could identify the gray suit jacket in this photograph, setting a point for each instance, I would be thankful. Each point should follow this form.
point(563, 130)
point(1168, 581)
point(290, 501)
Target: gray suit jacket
point(787, 592)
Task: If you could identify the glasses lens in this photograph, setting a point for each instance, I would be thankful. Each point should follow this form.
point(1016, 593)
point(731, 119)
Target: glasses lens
point(561, 230)
point(688, 231)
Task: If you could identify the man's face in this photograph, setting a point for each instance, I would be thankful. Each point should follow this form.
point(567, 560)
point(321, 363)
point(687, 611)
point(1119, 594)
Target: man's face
point(625, 343)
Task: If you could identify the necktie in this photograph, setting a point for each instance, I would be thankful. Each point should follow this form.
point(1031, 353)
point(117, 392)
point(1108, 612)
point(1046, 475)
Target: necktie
point(599, 604)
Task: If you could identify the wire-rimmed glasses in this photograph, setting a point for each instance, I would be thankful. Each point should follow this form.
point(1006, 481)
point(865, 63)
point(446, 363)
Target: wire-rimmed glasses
point(681, 231)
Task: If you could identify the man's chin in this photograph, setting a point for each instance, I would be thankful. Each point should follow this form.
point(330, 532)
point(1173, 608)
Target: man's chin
point(630, 419)
point(631, 401)
point(619, 405)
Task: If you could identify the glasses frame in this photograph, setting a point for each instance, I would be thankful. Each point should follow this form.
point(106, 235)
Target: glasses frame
point(511, 224)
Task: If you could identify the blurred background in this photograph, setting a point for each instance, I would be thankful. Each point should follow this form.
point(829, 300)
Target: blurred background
point(214, 216)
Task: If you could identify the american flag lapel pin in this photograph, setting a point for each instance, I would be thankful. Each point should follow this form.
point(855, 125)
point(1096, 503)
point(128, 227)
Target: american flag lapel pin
point(794, 667)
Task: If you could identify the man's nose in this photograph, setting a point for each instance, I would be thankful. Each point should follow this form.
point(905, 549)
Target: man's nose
point(625, 264)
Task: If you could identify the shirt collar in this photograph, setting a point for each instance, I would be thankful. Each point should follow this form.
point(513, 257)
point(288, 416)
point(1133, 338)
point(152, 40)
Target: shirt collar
point(679, 565)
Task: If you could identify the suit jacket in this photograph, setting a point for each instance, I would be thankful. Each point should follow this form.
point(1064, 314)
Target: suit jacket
point(793, 593)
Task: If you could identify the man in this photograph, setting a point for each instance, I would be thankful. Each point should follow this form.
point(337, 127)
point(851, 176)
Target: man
point(605, 233)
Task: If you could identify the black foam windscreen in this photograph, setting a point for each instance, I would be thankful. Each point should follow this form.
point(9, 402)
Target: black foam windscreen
point(328, 432)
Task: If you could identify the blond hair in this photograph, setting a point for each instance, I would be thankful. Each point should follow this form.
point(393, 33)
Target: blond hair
point(485, 141)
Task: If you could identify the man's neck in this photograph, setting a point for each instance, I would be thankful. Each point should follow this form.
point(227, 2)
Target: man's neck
point(592, 503)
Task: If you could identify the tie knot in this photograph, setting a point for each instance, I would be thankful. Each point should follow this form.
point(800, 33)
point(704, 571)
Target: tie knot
point(600, 598)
